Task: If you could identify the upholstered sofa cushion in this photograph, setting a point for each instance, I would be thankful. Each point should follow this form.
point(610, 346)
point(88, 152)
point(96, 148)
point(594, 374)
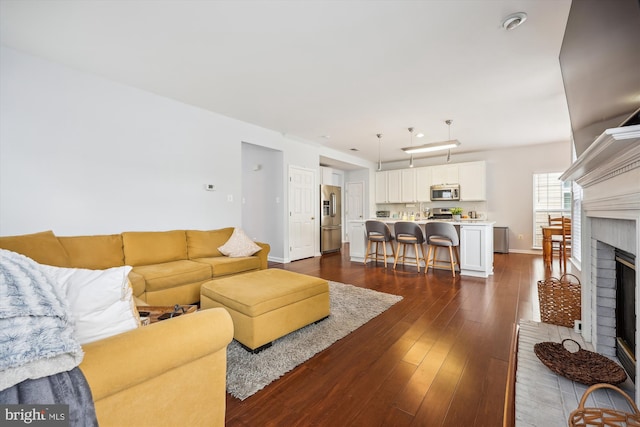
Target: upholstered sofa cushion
point(138, 283)
point(171, 274)
point(204, 244)
point(43, 247)
point(223, 266)
point(94, 252)
point(154, 247)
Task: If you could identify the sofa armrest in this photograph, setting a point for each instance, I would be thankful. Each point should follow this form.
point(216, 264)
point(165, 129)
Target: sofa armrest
point(138, 284)
point(263, 254)
point(126, 360)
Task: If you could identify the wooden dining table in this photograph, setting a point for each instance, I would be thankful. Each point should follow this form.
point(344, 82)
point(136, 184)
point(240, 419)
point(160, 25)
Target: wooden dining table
point(547, 232)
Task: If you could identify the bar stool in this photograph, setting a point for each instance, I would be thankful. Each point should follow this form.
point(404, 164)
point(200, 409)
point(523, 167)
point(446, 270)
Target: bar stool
point(442, 234)
point(378, 232)
point(409, 233)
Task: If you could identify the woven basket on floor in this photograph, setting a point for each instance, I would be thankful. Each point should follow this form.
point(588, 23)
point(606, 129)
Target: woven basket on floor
point(604, 417)
point(583, 366)
point(560, 300)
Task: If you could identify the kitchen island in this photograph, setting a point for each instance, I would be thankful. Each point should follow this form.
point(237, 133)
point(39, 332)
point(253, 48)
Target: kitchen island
point(476, 244)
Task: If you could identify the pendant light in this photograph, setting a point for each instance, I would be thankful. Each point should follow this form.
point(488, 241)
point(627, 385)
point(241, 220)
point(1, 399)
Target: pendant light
point(411, 158)
point(379, 135)
point(448, 122)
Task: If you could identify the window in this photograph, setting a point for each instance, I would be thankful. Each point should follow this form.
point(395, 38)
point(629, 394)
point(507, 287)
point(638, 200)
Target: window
point(551, 197)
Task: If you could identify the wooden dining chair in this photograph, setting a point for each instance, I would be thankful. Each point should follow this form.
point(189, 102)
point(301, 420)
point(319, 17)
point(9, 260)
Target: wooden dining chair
point(556, 239)
point(565, 244)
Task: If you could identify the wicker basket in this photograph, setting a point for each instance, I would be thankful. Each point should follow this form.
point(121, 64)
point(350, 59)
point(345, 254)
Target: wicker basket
point(560, 300)
point(601, 417)
point(583, 366)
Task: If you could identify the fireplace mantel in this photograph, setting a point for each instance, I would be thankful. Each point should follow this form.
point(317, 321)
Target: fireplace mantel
point(615, 152)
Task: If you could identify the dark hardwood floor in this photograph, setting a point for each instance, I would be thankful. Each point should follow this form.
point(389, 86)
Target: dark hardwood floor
point(437, 358)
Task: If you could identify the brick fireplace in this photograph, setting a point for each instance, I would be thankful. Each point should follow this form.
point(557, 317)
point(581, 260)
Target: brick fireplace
point(614, 295)
point(609, 174)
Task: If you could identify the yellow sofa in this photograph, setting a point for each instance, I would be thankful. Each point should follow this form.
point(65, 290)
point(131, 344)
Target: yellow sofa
point(171, 372)
point(168, 266)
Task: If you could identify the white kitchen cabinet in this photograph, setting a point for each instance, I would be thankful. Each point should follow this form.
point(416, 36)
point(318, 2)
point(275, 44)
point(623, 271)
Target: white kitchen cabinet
point(408, 185)
point(423, 184)
point(357, 239)
point(389, 186)
point(394, 186)
point(476, 254)
point(414, 184)
point(444, 174)
point(326, 177)
point(473, 181)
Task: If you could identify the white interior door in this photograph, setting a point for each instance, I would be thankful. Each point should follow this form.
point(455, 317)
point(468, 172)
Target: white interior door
point(354, 203)
point(302, 213)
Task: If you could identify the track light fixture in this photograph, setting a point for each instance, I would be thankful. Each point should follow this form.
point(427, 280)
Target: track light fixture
point(435, 146)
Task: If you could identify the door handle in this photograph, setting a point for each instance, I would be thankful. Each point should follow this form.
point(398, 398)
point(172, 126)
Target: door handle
point(312, 218)
point(333, 204)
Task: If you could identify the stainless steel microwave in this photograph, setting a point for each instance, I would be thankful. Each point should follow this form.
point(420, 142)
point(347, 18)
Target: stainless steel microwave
point(445, 192)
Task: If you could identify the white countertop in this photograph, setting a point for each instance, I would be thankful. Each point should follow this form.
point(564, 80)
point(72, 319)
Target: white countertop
point(424, 221)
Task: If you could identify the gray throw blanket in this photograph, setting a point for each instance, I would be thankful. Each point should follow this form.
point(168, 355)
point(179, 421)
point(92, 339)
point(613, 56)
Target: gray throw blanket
point(69, 388)
point(39, 355)
point(36, 327)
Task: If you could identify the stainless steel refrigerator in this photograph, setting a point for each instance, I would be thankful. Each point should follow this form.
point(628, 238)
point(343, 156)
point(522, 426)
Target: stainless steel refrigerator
point(330, 218)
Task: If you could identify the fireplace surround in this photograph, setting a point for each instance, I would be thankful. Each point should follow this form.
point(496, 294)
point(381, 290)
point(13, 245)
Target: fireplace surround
point(626, 311)
point(609, 174)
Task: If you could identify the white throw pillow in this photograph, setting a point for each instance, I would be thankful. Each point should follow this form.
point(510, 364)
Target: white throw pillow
point(101, 300)
point(239, 245)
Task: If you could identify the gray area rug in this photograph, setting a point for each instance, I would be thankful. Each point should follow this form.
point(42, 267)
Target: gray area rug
point(351, 307)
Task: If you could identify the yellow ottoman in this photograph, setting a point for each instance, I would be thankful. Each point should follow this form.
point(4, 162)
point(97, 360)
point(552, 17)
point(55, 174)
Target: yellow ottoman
point(267, 304)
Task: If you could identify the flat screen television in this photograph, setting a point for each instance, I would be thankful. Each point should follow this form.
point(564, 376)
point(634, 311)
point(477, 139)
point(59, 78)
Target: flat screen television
point(600, 64)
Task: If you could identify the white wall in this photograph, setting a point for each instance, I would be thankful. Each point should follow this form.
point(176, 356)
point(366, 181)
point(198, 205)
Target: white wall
point(509, 183)
point(263, 200)
point(83, 155)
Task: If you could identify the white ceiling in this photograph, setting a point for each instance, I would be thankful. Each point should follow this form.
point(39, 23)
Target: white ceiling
point(310, 69)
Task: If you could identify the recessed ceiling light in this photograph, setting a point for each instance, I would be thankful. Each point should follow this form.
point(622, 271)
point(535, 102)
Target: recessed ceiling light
point(419, 135)
point(514, 20)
